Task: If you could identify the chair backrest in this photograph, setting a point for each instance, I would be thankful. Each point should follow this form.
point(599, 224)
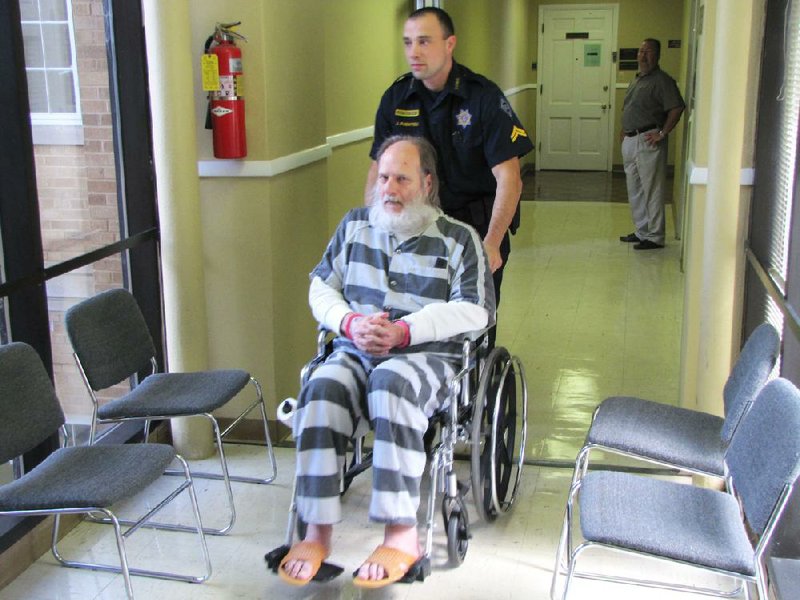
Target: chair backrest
point(764, 454)
point(110, 337)
point(29, 409)
point(748, 376)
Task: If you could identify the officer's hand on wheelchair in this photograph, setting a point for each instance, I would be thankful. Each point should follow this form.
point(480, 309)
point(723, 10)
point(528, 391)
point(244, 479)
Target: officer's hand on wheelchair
point(493, 255)
point(376, 334)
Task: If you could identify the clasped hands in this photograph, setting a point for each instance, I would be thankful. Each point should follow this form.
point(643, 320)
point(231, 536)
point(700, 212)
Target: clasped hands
point(376, 334)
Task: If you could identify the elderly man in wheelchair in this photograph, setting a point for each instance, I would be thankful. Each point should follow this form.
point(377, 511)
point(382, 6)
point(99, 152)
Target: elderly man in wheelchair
point(401, 284)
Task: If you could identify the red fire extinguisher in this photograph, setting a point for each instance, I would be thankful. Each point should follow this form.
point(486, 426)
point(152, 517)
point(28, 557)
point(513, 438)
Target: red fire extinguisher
point(222, 78)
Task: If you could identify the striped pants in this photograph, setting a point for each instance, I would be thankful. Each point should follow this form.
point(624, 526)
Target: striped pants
point(344, 397)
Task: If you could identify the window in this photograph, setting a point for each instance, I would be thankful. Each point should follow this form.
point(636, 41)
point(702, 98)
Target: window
point(52, 70)
point(67, 227)
point(770, 276)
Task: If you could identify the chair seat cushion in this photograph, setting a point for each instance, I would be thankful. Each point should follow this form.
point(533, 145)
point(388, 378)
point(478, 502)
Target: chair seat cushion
point(177, 394)
point(661, 432)
point(87, 476)
point(665, 518)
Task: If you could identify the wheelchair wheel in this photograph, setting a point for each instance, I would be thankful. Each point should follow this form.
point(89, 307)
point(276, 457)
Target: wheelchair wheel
point(495, 473)
point(456, 520)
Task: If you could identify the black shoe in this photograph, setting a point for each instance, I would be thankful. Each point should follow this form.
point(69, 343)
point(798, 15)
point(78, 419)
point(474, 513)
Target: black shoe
point(630, 238)
point(647, 245)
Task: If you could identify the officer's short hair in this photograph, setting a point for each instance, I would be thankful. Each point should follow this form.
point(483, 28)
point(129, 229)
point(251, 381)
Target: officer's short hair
point(427, 161)
point(444, 19)
point(656, 45)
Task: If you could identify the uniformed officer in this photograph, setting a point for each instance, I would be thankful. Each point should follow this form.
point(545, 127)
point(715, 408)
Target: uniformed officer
point(478, 138)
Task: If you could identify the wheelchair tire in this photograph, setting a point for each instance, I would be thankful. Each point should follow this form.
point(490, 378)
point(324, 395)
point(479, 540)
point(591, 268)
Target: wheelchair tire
point(457, 537)
point(494, 422)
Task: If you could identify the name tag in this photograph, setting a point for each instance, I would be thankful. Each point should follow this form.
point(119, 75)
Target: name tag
point(401, 112)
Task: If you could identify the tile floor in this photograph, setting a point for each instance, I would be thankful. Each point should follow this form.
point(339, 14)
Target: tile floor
point(588, 316)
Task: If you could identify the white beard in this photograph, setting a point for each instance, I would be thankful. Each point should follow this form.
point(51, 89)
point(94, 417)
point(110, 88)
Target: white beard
point(412, 220)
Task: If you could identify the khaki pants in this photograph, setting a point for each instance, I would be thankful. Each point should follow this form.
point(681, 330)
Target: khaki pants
point(645, 175)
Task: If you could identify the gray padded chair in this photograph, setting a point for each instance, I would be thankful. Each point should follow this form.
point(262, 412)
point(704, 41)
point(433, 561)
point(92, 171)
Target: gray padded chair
point(76, 480)
point(692, 525)
point(111, 343)
point(677, 437)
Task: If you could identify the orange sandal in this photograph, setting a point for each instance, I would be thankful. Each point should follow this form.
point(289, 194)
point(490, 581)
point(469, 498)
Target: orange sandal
point(395, 562)
point(311, 552)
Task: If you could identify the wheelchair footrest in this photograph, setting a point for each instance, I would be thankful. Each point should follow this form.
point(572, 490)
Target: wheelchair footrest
point(326, 572)
point(418, 571)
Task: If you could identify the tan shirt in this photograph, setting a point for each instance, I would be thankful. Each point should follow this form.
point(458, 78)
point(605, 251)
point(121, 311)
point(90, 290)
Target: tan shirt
point(648, 100)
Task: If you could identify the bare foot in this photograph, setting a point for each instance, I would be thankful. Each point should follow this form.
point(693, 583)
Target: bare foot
point(302, 569)
point(400, 537)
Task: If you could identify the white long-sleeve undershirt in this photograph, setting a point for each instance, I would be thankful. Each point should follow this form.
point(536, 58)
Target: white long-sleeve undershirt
point(434, 322)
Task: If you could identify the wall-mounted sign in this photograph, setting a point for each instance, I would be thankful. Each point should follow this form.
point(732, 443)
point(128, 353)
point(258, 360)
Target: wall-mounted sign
point(628, 53)
point(673, 44)
point(628, 65)
point(591, 55)
point(577, 35)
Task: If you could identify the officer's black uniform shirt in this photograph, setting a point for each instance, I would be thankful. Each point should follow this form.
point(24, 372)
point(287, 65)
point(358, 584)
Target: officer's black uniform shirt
point(470, 123)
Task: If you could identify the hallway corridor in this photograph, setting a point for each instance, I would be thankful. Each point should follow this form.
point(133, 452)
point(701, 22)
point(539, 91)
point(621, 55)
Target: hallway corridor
point(588, 315)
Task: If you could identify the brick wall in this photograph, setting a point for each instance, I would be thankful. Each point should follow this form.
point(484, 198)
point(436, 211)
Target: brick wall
point(77, 189)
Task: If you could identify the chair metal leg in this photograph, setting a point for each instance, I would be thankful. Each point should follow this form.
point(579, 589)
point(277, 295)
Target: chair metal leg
point(560, 566)
point(565, 541)
point(261, 404)
point(188, 528)
point(648, 583)
point(581, 465)
point(120, 536)
point(200, 475)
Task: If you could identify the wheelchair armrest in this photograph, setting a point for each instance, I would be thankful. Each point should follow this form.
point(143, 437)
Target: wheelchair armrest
point(324, 338)
point(324, 347)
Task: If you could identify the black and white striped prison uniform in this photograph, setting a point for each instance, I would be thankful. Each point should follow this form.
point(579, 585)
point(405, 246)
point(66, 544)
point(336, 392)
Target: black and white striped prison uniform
point(395, 394)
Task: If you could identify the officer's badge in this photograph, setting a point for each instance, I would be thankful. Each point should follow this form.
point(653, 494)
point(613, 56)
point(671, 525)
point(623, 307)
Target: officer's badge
point(463, 118)
point(506, 107)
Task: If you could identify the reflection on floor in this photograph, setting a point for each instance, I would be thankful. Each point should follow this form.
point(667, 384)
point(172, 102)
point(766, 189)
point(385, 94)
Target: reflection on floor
point(588, 315)
point(582, 186)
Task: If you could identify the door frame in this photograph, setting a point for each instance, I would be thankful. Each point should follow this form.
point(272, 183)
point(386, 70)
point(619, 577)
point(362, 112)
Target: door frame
point(612, 83)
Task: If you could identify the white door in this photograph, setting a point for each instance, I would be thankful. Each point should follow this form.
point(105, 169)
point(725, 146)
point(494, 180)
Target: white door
point(576, 85)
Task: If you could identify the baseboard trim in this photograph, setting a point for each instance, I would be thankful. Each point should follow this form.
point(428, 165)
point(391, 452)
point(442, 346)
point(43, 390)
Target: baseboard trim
point(32, 546)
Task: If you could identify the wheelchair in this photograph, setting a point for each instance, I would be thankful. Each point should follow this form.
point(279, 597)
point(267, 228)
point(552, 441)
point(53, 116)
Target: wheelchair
point(488, 396)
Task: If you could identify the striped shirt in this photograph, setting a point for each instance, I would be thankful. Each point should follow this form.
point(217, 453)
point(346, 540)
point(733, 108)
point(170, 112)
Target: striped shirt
point(376, 272)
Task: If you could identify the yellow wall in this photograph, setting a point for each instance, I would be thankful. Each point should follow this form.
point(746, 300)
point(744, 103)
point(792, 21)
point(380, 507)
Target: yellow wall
point(316, 69)
point(262, 235)
point(358, 68)
point(722, 140)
